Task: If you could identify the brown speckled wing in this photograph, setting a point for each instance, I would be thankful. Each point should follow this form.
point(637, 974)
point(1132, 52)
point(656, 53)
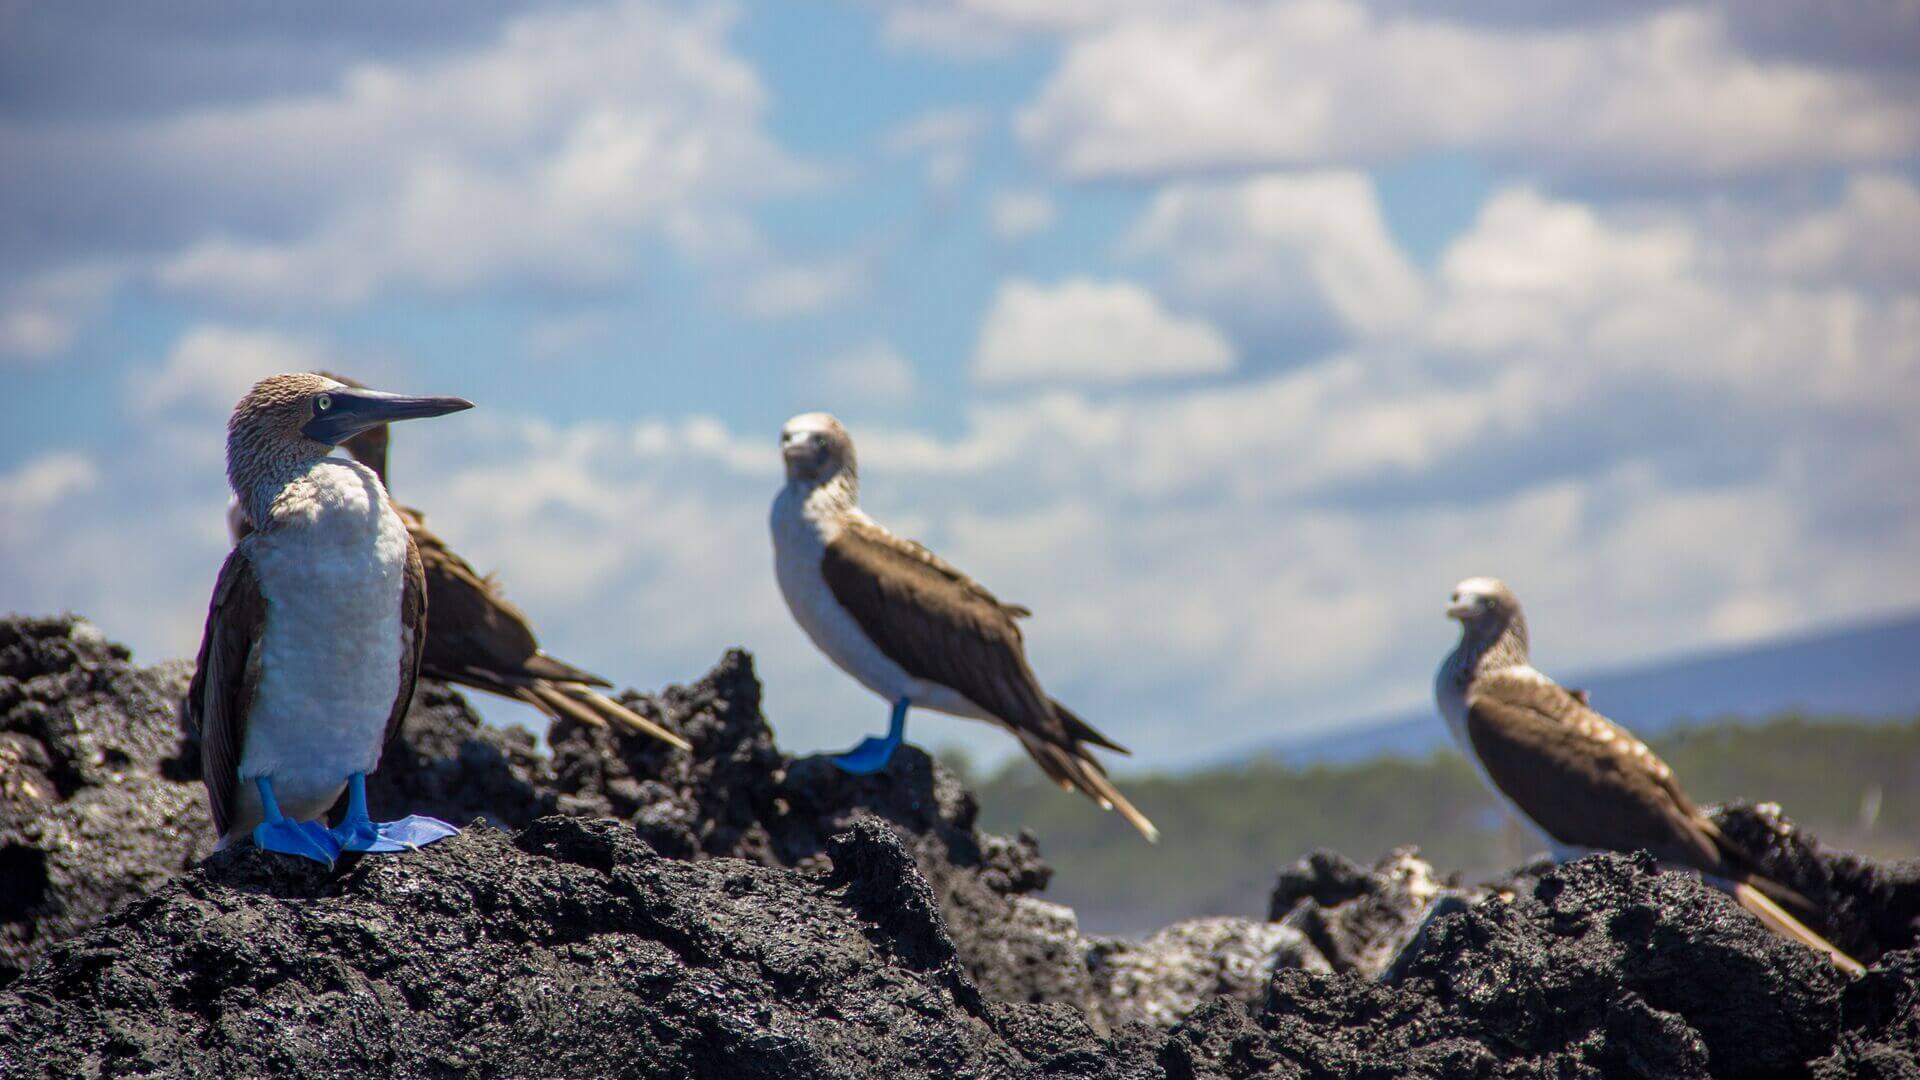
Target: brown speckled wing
point(1583, 779)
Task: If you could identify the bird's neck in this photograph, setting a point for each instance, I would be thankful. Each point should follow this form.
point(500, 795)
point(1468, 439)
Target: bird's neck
point(278, 490)
point(1489, 648)
point(835, 497)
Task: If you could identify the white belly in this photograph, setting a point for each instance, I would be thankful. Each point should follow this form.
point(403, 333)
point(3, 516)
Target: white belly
point(799, 541)
point(331, 653)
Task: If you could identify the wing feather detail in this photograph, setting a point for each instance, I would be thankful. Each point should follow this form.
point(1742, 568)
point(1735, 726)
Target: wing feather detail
point(943, 627)
point(1584, 780)
point(226, 678)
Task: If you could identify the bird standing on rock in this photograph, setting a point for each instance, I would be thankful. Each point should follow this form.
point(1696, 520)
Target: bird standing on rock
point(314, 635)
point(1582, 781)
point(477, 638)
point(910, 627)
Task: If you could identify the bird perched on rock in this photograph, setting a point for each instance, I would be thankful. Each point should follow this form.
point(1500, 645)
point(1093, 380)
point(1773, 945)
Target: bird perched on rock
point(314, 634)
point(910, 627)
point(477, 638)
point(1585, 783)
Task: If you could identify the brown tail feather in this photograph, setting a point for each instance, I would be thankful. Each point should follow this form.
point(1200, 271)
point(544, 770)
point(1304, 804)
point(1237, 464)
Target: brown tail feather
point(1777, 920)
point(629, 719)
point(1783, 896)
point(569, 699)
point(542, 666)
point(1081, 731)
point(556, 704)
point(1111, 796)
point(1077, 772)
point(1739, 864)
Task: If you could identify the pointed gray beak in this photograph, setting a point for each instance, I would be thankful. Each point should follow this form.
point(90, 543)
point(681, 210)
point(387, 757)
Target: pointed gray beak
point(349, 411)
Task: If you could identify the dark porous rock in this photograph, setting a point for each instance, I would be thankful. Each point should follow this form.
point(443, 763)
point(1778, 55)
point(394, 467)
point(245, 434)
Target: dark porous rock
point(1605, 968)
point(1619, 968)
point(738, 796)
point(1866, 907)
point(1357, 919)
point(100, 793)
point(572, 949)
point(1880, 1024)
point(738, 912)
point(90, 814)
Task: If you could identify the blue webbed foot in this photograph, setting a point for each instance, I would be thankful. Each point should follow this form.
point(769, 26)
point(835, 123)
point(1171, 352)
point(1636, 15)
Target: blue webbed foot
point(873, 754)
point(360, 833)
point(307, 839)
point(868, 758)
point(409, 833)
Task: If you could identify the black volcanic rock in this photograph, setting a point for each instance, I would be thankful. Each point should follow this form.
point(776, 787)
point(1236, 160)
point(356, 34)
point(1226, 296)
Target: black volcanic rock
point(1604, 968)
point(1357, 919)
point(738, 796)
point(736, 912)
point(92, 813)
point(572, 949)
point(100, 794)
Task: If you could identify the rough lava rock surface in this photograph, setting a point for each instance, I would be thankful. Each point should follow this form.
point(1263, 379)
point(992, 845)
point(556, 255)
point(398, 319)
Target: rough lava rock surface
point(94, 811)
point(736, 912)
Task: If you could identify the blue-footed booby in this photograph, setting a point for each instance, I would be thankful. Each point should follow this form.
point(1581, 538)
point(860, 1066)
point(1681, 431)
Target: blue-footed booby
point(1584, 783)
point(476, 637)
point(314, 635)
point(910, 627)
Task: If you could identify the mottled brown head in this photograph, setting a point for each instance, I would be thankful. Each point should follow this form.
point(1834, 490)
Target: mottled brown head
point(287, 420)
point(1487, 610)
point(268, 421)
point(816, 449)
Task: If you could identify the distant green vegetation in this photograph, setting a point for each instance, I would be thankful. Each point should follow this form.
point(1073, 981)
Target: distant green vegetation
point(1226, 831)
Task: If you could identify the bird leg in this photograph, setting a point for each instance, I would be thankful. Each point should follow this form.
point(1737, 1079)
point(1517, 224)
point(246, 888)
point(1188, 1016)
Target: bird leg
point(873, 754)
point(359, 832)
point(307, 839)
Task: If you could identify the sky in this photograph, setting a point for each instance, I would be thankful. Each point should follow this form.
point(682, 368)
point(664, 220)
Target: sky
point(1224, 334)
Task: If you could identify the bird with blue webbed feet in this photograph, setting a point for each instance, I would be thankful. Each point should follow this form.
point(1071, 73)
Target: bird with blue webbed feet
point(314, 635)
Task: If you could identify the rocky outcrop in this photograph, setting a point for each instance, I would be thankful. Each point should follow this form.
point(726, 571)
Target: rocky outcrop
point(93, 810)
point(736, 912)
point(1603, 968)
point(571, 949)
point(100, 794)
point(575, 948)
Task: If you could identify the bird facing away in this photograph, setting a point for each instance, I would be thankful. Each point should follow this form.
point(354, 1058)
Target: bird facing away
point(314, 634)
point(476, 637)
point(1582, 781)
point(910, 627)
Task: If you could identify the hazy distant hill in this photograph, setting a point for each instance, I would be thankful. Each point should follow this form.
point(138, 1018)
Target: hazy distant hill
point(1225, 831)
point(1870, 670)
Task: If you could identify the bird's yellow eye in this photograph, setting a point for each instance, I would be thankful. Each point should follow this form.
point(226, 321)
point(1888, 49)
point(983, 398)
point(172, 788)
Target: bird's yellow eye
point(323, 402)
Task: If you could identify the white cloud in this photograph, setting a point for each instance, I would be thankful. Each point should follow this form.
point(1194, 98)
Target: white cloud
point(567, 335)
point(874, 372)
point(1664, 94)
point(211, 367)
point(1285, 249)
point(40, 316)
point(1015, 215)
point(1083, 330)
point(557, 151)
point(1602, 296)
point(1871, 235)
point(43, 481)
point(790, 289)
point(947, 138)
